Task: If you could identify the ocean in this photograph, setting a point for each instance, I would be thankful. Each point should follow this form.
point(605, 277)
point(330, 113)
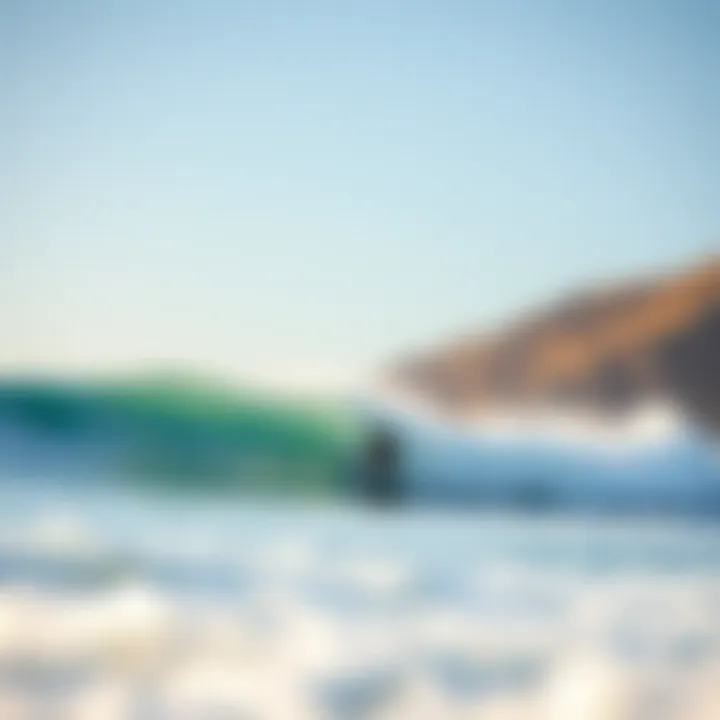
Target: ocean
point(116, 603)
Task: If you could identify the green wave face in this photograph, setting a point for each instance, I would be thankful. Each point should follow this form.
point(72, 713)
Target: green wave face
point(194, 435)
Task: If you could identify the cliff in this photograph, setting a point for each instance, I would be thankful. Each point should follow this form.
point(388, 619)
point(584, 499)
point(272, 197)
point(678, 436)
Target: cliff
point(605, 350)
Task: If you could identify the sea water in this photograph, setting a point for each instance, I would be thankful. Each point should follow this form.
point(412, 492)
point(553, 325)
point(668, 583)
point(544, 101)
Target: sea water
point(115, 604)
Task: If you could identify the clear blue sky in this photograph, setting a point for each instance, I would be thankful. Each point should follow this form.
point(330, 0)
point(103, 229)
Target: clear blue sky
point(310, 187)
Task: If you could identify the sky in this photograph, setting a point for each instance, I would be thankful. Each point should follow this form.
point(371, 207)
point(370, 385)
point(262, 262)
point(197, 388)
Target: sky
point(302, 191)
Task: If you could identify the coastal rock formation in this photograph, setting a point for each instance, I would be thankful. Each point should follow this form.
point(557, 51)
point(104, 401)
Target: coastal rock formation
point(606, 350)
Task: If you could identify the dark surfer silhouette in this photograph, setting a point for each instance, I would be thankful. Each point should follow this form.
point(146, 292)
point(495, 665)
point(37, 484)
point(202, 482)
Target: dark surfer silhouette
point(382, 467)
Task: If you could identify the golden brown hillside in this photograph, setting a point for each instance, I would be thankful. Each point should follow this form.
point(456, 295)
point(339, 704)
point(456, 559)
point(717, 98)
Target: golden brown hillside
point(607, 350)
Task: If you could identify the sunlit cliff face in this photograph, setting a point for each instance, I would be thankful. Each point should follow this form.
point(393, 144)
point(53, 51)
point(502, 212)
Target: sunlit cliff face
point(608, 351)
